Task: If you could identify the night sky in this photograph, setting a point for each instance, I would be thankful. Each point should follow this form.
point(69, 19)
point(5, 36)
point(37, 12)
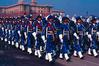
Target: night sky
point(71, 7)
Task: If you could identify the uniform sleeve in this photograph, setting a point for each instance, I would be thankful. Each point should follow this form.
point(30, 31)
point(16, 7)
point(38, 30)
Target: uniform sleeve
point(34, 26)
point(44, 29)
point(73, 27)
point(98, 27)
point(89, 29)
point(61, 29)
point(86, 26)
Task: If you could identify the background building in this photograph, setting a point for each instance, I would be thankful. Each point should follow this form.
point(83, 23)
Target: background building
point(22, 8)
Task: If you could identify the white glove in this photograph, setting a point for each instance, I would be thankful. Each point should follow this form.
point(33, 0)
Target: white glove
point(25, 35)
point(9, 31)
point(6, 30)
point(43, 37)
point(19, 33)
point(2, 28)
point(86, 33)
point(34, 34)
point(98, 33)
point(61, 38)
point(89, 36)
point(75, 34)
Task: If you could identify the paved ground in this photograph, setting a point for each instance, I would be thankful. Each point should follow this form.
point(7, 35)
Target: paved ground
point(10, 56)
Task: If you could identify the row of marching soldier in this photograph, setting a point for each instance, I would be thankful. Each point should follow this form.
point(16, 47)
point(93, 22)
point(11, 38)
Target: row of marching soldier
point(52, 36)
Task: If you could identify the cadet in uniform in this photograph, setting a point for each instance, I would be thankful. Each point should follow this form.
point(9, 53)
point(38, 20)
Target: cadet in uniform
point(29, 34)
point(50, 37)
point(39, 43)
point(92, 34)
point(65, 38)
point(78, 37)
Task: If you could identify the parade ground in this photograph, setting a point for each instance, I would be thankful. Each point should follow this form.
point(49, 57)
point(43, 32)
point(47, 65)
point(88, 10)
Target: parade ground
point(10, 56)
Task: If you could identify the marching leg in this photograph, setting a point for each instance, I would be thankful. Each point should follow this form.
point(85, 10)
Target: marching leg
point(75, 53)
point(66, 56)
point(12, 42)
point(80, 54)
point(16, 45)
point(29, 50)
point(39, 53)
point(89, 52)
point(35, 53)
point(61, 56)
point(46, 56)
point(22, 47)
point(50, 57)
point(9, 42)
point(95, 53)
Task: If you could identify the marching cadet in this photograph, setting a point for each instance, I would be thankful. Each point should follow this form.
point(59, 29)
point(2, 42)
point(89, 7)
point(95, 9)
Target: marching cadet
point(30, 33)
point(23, 22)
point(5, 29)
point(85, 38)
point(93, 32)
point(8, 26)
point(78, 37)
point(1, 29)
point(98, 34)
point(65, 38)
point(2, 38)
point(58, 30)
point(12, 30)
point(17, 33)
point(39, 43)
point(50, 37)
point(9, 31)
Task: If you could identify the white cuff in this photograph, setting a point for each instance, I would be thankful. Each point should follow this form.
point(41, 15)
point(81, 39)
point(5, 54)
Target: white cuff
point(75, 34)
point(34, 34)
point(86, 33)
point(98, 33)
point(18, 32)
point(25, 34)
point(90, 37)
point(43, 37)
point(2, 28)
point(6, 30)
point(61, 38)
